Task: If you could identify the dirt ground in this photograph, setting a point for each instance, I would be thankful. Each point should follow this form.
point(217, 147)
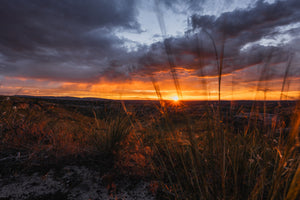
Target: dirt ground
point(71, 182)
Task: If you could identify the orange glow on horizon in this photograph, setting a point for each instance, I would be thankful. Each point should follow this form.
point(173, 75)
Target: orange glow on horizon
point(192, 89)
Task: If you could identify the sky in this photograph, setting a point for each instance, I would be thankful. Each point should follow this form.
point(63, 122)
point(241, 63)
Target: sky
point(121, 49)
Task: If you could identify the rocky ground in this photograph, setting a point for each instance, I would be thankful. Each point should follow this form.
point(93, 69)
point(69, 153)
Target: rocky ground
point(71, 182)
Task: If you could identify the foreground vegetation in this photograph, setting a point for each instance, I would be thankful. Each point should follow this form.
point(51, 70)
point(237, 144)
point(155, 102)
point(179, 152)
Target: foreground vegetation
point(186, 151)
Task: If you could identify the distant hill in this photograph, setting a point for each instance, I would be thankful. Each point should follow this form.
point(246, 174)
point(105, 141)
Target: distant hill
point(65, 98)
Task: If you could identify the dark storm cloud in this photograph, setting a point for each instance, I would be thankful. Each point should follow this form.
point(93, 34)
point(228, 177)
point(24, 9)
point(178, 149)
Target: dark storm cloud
point(262, 17)
point(76, 41)
point(197, 53)
point(64, 40)
point(239, 28)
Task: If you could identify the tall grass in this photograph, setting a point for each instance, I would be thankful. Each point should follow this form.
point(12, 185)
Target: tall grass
point(214, 161)
point(186, 158)
point(108, 135)
point(189, 162)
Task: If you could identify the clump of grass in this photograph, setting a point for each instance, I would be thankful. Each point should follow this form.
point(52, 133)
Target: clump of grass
point(108, 134)
point(188, 162)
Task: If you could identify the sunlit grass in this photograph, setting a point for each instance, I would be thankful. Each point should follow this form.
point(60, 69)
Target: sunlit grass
point(181, 151)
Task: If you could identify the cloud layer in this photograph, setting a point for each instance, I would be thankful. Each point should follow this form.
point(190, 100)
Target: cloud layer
point(63, 40)
point(237, 29)
point(76, 41)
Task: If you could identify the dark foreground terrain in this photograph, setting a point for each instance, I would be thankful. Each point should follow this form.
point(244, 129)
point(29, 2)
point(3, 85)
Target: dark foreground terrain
point(70, 148)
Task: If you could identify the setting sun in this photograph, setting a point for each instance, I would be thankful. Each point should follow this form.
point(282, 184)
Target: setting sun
point(175, 98)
